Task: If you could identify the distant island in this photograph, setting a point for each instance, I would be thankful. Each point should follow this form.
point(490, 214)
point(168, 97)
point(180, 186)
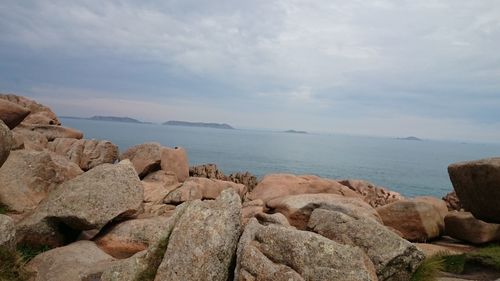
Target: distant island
point(108, 118)
point(410, 138)
point(295, 132)
point(198, 124)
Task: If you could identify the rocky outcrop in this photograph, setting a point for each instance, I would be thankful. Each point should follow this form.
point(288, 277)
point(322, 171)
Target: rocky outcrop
point(279, 185)
point(39, 114)
point(280, 253)
point(298, 208)
point(175, 160)
point(452, 201)
point(67, 263)
point(7, 233)
point(129, 237)
point(209, 171)
point(417, 221)
point(464, 226)
point(214, 228)
point(52, 132)
point(85, 153)
point(89, 201)
point(374, 195)
point(201, 188)
point(6, 142)
point(476, 184)
point(246, 178)
point(27, 177)
point(146, 157)
point(12, 114)
point(394, 258)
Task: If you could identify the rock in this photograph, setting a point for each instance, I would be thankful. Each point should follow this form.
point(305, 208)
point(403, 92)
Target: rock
point(214, 229)
point(24, 138)
point(154, 210)
point(89, 201)
point(158, 185)
point(477, 186)
point(247, 179)
point(52, 132)
point(85, 153)
point(201, 188)
point(277, 218)
point(298, 208)
point(175, 160)
point(28, 177)
point(67, 263)
point(279, 253)
point(439, 204)
point(12, 114)
point(376, 196)
point(6, 142)
point(452, 201)
point(394, 258)
point(279, 185)
point(418, 221)
point(430, 250)
point(250, 209)
point(464, 226)
point(129, 237)
point(7, 233)
point(40, 114)
point(209, 171)
point(146, 158)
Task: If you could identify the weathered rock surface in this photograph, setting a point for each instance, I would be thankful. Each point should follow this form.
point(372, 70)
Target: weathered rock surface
point(86, 202)
point(129, 237)
point(394, 258)
point(85, 153)
point(214, 228)
point(40, 114)
point(374, 195)
point(52, 132)
point(417, 220)
point(28, 176)
point(279, 253)
point(452, 201)
point(201, 188)
point(67, 263)
point(246, 178)
point(209, 171)
point(279, 185)
point(6, 142)
point(7, 232)
point(438, 204)
point(477, 186)
point(146, 157)
point(464, 226)
point(298, 208)
point(24, 138)
point(158, 185)
point(175, 160)
point(12, 114)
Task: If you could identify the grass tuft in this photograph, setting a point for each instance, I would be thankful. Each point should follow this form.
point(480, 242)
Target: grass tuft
point(429, 269)
point(27, 253)
point(12, 266)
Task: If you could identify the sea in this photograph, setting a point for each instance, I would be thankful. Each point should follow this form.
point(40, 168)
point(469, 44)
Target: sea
point(412, 168)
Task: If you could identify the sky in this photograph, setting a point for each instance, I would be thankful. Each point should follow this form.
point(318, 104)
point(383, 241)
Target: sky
point(429, 68)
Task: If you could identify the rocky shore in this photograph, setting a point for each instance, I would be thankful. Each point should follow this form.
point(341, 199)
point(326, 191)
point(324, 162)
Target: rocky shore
point(145, 214)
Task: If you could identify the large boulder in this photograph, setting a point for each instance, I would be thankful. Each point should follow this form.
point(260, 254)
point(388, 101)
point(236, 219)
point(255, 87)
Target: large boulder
point(394, 258)
point(477, 184)
point(85, 153)
point(29, 176)
point(374, 195)
point(464, 226)
point(67, 263)
point(89, 201)
point(7, 233)
point(24, 138)
point(281, 253)
point(12, 114)
point(298, 208)
point(175, 160)
point(52, 132)
point(416, 220)
point(39, 114)
point(146, 157)
point(6, 142)
point(214, 229)
point(279, 185)
point(201, 188)
point(158, 185)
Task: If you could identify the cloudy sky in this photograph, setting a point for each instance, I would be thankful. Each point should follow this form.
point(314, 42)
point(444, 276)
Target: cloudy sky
point(388, 68)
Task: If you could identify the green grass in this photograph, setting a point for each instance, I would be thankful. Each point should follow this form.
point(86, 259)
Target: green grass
point(27, 253)
point(12, 266)
point(429, 269)
point(3, 210)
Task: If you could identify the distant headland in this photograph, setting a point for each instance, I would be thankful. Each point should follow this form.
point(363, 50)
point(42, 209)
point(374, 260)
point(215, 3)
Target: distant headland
point(295, 132)
point(108, 118)
point(198, 124)
point(411, 138)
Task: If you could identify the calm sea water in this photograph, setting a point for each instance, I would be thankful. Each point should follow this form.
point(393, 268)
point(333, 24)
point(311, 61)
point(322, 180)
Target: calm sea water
point(409, 167)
